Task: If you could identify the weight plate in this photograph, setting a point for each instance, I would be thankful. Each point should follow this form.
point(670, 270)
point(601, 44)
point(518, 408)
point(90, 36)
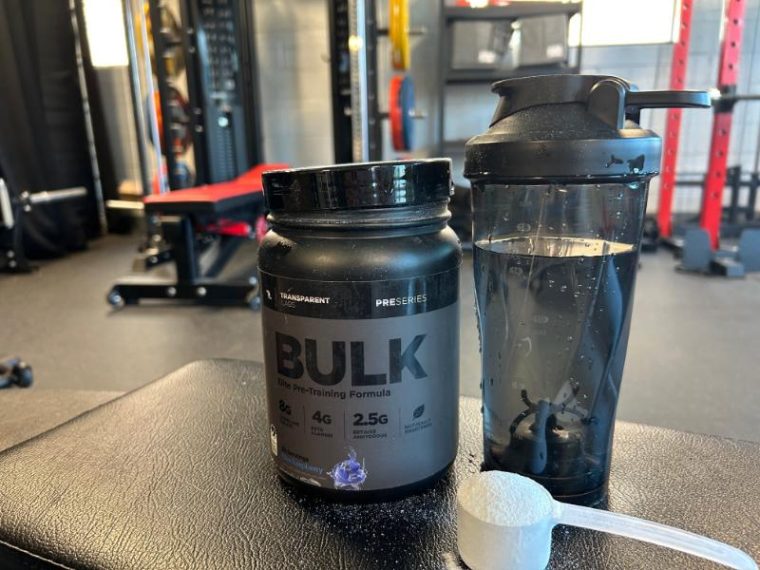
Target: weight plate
point(407, 108)
point(395, 112)
point(401, 107)
point(398, 33)
point(159, 116)
point(179, 120)
point(173, 56)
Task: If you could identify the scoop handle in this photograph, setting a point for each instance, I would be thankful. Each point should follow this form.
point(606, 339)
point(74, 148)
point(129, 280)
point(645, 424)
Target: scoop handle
point(655, 533)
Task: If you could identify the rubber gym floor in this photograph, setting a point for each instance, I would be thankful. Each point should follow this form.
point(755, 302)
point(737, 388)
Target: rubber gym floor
point(693, 359)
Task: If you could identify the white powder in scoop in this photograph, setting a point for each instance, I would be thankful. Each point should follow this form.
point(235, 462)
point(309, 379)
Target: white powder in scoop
point(505, 499)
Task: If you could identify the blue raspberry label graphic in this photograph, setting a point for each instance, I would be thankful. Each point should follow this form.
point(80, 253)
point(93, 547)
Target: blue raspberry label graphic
point(349, 474)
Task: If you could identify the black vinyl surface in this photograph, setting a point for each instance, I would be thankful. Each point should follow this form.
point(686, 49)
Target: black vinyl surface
point(178, 475)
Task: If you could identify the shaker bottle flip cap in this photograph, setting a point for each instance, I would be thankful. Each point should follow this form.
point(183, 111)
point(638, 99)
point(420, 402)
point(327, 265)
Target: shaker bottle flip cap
point(571, 126)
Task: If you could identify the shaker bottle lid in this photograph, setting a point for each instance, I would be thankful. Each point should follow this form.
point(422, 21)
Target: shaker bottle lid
point(361, 185)
point(570, 126)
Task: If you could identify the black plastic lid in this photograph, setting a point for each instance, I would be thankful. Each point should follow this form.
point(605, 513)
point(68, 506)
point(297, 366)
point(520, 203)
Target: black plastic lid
point(358, 186)
point(553, 127)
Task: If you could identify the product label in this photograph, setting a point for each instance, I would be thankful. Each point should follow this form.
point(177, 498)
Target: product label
point(362, 378)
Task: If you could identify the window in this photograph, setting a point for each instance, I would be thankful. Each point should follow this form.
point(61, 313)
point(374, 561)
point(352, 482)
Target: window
point(105, 32)
point(627, 22)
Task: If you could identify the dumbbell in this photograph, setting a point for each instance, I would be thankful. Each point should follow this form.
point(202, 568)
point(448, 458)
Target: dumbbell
point(14, 371)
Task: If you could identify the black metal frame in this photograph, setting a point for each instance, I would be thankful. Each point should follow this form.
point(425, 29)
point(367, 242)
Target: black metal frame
point(340, 77)
point(735, 217)
point(12, 256)
point(193, 282)
point(159, 47)
point(735, 181)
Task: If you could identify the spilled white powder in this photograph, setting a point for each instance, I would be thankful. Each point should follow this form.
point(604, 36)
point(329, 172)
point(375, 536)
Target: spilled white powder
point(505, 499)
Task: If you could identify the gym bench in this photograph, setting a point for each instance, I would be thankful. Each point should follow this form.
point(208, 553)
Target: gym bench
point(193, 220)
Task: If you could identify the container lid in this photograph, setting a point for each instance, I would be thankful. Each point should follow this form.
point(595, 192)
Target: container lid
point(571, 126)
point(356, 186)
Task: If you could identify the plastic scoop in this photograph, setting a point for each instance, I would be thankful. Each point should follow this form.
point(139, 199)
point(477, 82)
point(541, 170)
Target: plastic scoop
point(505, 521)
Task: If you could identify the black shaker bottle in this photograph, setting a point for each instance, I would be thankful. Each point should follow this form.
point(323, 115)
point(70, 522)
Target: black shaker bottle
point(559, 191)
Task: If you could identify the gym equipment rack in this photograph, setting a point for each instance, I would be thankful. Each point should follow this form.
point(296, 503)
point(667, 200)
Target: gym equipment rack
point(510, 13)
point(357, 119)
point(700, 248)
point(13, 208)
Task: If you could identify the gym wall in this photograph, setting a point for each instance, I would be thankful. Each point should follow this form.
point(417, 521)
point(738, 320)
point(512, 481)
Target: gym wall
point(293, 50)
point(294, 81)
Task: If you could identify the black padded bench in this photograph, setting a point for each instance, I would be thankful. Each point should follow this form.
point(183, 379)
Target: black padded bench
point(177, 474)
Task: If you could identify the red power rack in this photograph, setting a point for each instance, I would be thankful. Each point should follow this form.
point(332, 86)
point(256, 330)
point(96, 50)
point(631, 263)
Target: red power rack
point(715, 180)
point(673, 124)
point(730, 52)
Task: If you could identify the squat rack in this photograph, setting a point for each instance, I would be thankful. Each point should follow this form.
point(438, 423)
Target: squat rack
point(717, 172)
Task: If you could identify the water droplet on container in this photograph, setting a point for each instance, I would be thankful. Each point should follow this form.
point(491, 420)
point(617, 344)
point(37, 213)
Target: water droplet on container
point(569, 339)
point(563, 288)
point(523, 227)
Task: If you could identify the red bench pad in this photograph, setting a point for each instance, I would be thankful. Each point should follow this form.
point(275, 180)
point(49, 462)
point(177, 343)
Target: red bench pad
point(217, 198)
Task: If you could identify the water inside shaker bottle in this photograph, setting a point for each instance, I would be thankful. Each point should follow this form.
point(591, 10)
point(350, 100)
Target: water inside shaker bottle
point(554, 306)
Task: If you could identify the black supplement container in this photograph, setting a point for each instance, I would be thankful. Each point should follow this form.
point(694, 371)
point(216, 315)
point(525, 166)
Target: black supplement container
point(359, 277)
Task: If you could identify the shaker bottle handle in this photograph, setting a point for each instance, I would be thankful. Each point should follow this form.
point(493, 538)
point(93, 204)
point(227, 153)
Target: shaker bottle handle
point(613, 101)
point(635, 100)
